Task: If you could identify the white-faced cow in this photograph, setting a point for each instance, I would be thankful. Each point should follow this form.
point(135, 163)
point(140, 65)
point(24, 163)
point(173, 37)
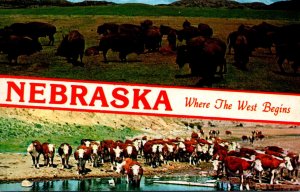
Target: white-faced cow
point(82, 154)
point(133, 171)
point(48, 153)
point(35, 149)
point(65, 151)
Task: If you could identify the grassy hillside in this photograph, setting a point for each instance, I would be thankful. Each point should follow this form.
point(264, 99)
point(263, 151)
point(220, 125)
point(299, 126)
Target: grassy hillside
point(148, 10)
point(16, 135)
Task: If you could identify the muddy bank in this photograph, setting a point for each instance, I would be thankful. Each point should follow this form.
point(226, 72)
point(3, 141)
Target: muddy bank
point(17, 167)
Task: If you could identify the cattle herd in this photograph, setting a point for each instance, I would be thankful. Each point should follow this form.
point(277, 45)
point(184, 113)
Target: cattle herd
point(266, 164)
point(204, 53)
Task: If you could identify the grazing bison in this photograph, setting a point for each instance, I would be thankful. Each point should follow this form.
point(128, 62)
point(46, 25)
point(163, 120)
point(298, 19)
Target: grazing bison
point(65, 151)
point(152, 38)
point(34, 30)
point(205, 30)
point(204, 55)
point(14, 46)
point(35, 149)
point(122, 43)
point(40, 29)
point(290, 52)
point(108, 28)
point(242, 52)
point(71, 47)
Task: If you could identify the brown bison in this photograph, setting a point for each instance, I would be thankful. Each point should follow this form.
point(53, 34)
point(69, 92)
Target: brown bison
point(108, 28)
point(72, 47)
point(287, 45)
point(14, 46)
point(34, 30)
point(122, 43)
point(204, 55)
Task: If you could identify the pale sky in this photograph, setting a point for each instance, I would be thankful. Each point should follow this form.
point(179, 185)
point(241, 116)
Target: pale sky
point(154, 2)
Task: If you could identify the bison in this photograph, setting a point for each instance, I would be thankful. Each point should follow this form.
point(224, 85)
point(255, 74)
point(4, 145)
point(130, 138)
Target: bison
point(14, 46)
point(204, 55)
point(34, 30)
point(122, 43)
point(71, 47)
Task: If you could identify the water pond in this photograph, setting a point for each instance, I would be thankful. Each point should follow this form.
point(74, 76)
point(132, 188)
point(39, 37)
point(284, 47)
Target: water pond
point(102, 184)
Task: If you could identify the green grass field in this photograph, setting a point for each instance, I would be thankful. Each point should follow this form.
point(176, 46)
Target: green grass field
point(148, 10)
point(16, 135)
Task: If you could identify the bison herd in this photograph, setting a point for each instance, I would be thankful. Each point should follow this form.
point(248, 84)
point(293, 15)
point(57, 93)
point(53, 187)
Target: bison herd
point(266, 164)
point(204, 53)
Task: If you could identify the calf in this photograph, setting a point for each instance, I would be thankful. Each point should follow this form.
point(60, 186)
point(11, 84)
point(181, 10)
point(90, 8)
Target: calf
point(82, 154)
point(65, 151)
point(35, 149)
point(48, 153)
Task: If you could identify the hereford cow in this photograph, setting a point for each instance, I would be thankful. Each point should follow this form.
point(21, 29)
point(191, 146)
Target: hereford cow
point(275, 166)
point(14, 46)
point(65, 151)
point(238, 165)
point(122, 43)
point(82, 154)
point(72, 47)
point(204, 55)
point(133, 171)
point(228, 132)
point(130, 151)
point(35, 150)
point(48, 153)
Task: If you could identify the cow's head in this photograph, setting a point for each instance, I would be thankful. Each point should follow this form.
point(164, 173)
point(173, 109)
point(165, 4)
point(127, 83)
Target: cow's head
point(118, 151)
point(66, 149)
point(181, 145)
point(216, 163)
point(95, 148)
point(288, 163)
point(129, 149)
point(81, 153)
point(119, 166)
point(257, 165)
point(51, 148)
point(170, 148)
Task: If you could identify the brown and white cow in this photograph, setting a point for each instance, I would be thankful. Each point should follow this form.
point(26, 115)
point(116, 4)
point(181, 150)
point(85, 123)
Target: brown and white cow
point(65, 151)
point(82, 154)
point(48, 153)
point(35, 150)
point(133, 171)
point(274, 165)
point(242, 167)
